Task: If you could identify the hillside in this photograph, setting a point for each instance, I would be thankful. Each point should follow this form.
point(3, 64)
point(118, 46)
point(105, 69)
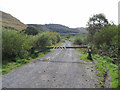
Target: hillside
point(39, 26)
point(60, 28)
point(12, 22)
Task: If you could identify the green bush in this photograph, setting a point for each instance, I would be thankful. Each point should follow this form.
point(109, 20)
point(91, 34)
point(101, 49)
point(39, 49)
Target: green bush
point(78, 41)
point(31, 31)
point(17, 44)
point(16, 47)
point(47, 39)
point(106, 41)
point(105, 35)
point(43, 39)
point(52, 37)
point(58, 38)
point(14, 44)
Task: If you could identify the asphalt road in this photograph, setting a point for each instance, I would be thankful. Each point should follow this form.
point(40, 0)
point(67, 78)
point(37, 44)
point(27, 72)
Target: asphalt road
point(61, 68)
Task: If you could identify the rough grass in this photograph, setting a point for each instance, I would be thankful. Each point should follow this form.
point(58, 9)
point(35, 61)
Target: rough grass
point(11, 22)
point(83, 54)
point(103, 65)
point(8, 66)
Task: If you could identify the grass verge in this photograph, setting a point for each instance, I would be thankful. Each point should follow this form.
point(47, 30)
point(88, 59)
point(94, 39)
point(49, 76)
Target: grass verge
point(104, 64)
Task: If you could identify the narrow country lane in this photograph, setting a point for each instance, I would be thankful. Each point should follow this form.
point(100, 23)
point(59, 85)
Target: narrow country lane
point(61, 68)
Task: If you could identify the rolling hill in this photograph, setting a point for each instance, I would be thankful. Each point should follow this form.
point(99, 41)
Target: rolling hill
point(60, 28)
point(39, 26)
point(11, 22)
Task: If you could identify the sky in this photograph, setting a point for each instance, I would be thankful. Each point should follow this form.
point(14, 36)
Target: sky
point(72, 13)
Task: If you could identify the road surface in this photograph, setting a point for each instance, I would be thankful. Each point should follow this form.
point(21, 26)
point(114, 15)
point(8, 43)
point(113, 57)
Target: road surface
point(61, 68)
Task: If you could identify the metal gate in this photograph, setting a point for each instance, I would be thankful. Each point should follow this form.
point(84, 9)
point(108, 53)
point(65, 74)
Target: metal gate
point(46, 48)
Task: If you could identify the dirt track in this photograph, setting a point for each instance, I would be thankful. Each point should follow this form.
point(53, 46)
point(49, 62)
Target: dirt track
point(61, 68)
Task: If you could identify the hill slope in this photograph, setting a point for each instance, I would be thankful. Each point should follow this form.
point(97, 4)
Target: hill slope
point(39, 26)
point(12, 22)
point(60, 28)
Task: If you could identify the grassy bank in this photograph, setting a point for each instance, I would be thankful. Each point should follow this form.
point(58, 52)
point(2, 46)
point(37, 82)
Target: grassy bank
point(104, 65)
point(9, 65)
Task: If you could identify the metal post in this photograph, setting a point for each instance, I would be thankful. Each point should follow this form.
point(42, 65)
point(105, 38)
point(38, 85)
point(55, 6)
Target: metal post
point(89, 53)
point(32, 50)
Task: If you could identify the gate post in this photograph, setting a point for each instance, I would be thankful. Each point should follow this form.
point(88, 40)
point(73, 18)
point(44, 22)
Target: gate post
point(32, 50)
point(89, 53)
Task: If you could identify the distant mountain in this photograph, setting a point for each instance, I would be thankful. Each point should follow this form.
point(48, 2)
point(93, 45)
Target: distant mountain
point(11, 22)
point(39, 26)
point(60, 28)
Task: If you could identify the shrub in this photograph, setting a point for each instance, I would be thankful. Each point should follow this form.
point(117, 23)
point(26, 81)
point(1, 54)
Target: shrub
point(31, 31)
point(43, 39)
point(106, 40)
point(17, 44)
point(78, 41)
point(53, 37)
point(58, 38)
point(47, 39)
point(14, 44)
